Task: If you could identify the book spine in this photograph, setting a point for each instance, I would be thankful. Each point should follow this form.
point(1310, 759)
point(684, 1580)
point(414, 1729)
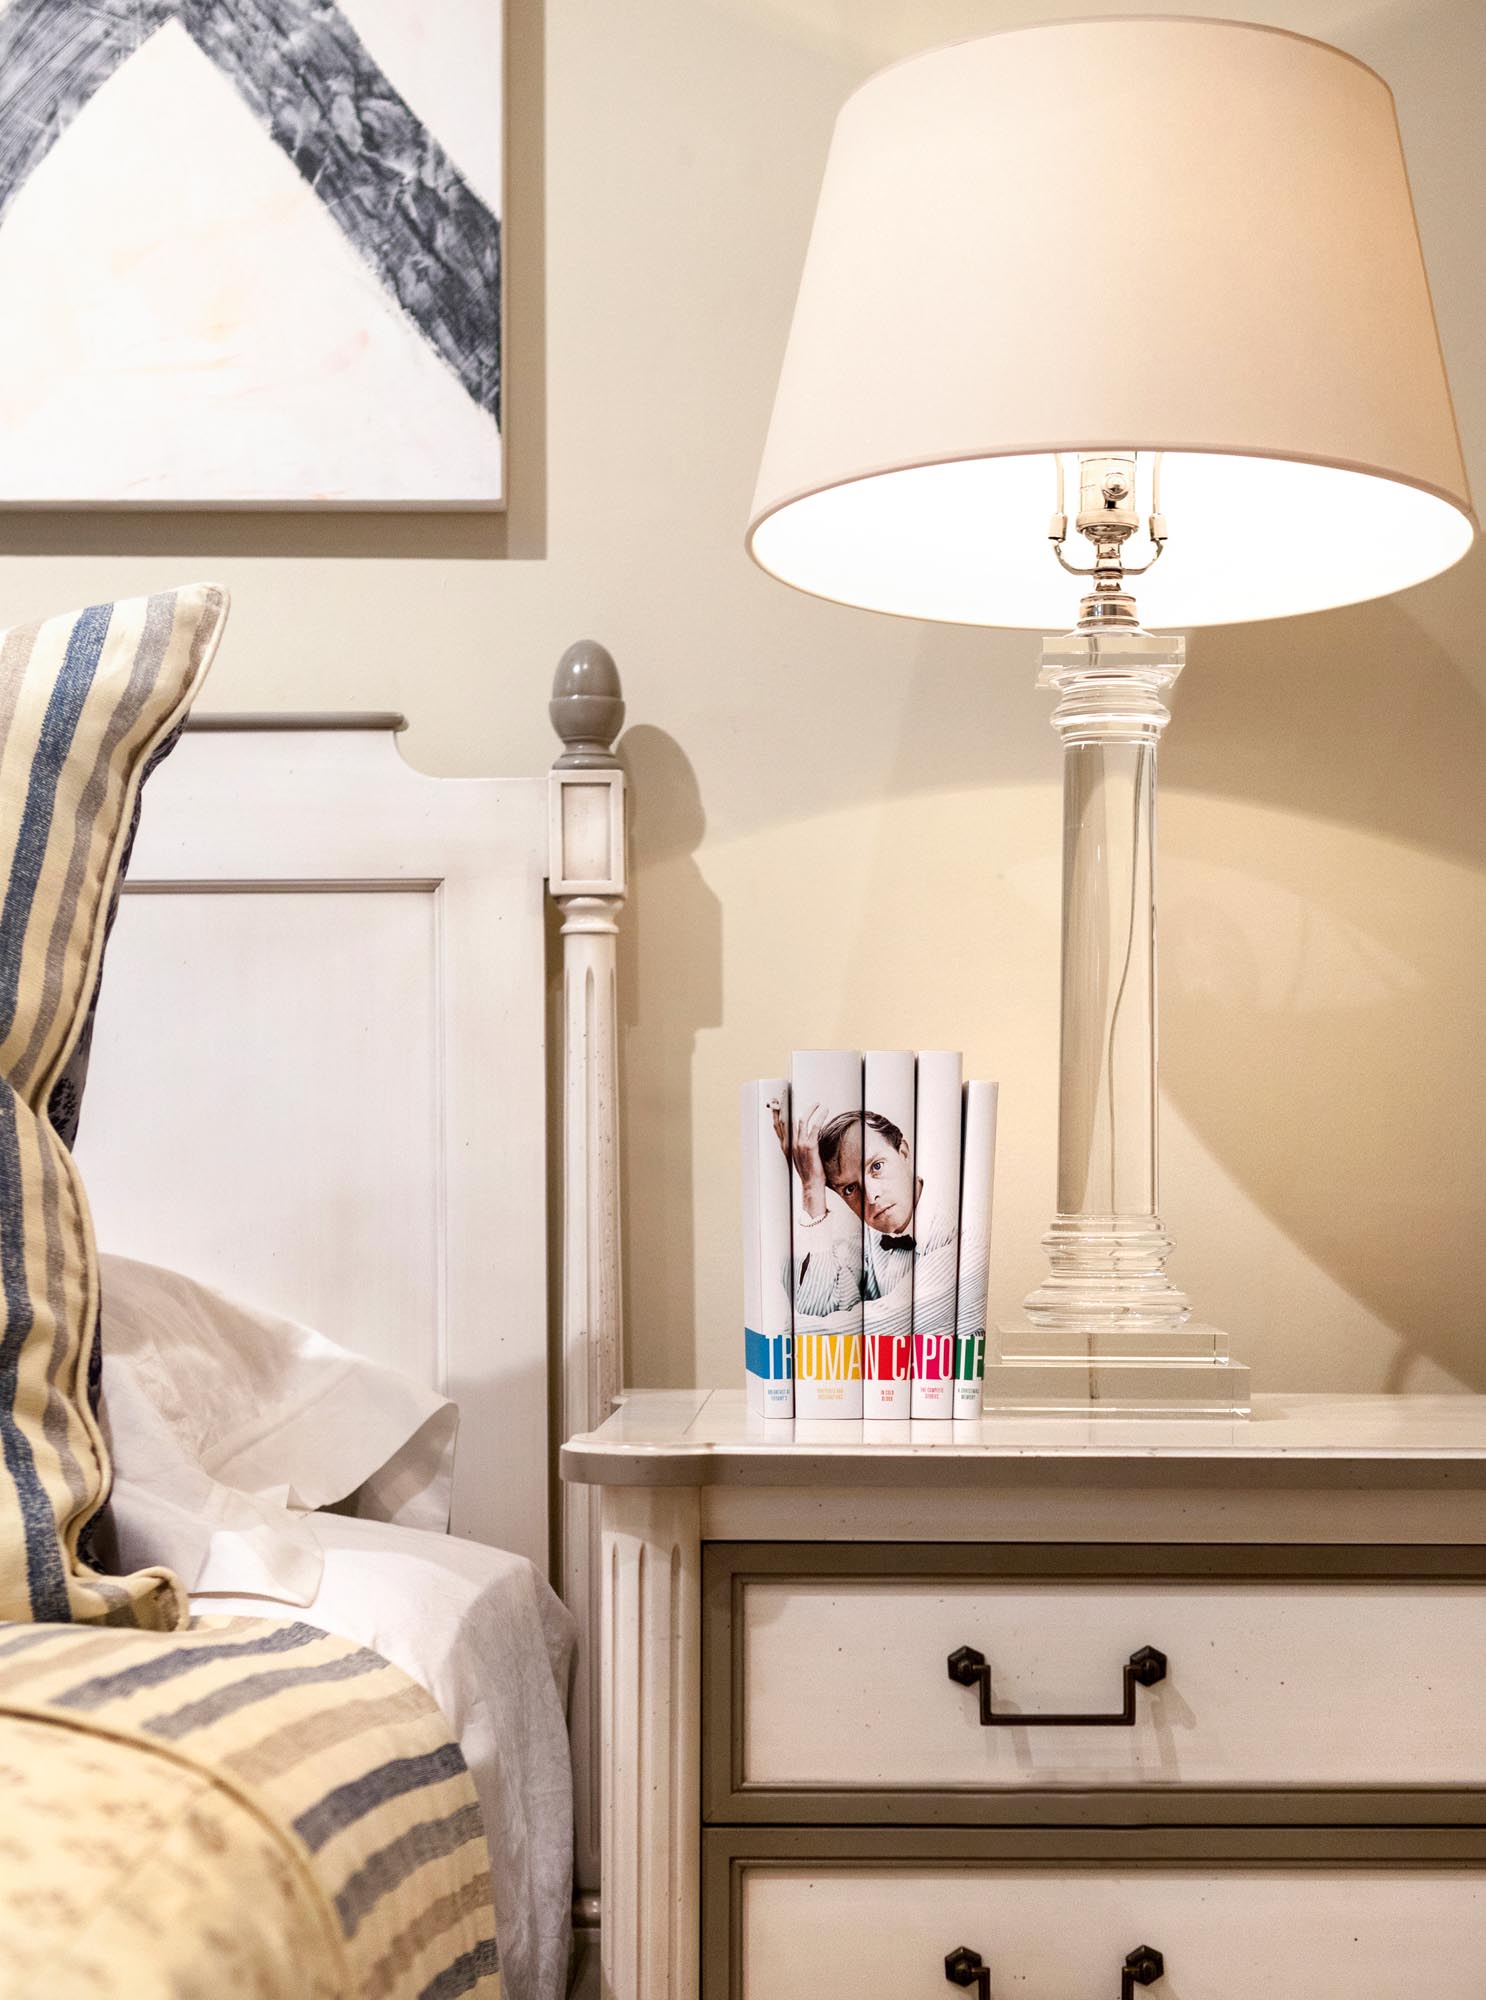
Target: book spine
point(826, 1231)
point(936, 1231)
point(888, 1187)
point(768, 1340)
point(977, 1182)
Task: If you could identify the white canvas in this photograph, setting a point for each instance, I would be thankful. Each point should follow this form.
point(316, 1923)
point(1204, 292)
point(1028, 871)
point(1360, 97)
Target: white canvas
point(189, 321)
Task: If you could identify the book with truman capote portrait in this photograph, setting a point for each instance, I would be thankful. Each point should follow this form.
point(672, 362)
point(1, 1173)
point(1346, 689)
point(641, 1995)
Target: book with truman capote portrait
point(977, 1178)
point(768, 1309)
point(936, 1230)
point(824, 1141)
point(888, 1194)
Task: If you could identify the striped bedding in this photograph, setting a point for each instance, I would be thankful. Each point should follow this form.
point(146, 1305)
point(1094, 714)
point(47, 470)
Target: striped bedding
point(87, 701)
point(242, 1808)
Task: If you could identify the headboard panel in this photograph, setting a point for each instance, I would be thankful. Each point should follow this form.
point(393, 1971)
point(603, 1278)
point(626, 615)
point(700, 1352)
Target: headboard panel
point(318, 1077)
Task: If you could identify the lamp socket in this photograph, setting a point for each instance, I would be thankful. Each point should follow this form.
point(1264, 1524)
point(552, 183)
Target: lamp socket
point(1106, 496)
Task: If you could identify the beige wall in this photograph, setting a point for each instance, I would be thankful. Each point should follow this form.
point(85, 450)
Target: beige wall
point(846, 828)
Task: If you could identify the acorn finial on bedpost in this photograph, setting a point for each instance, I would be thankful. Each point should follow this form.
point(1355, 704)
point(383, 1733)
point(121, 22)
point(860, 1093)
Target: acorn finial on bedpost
point(587, 706)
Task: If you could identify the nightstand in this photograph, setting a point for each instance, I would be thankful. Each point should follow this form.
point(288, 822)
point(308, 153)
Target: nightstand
point(1062, 1708)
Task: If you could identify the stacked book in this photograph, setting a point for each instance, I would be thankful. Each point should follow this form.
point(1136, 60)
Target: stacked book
point(867, 1235)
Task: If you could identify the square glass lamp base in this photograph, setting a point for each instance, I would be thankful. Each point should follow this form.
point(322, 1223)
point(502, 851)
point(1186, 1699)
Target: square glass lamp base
point(1044, 1371)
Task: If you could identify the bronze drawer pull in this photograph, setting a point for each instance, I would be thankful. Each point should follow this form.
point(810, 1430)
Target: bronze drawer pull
point(1142, 1669)
point(1143, 1967)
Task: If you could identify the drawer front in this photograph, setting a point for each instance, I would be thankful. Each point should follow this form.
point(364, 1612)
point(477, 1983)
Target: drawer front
point(832, 1932)
point(841, 1684)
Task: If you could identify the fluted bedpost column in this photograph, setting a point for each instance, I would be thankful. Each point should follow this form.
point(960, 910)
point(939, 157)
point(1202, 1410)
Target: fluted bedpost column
point(587, 881)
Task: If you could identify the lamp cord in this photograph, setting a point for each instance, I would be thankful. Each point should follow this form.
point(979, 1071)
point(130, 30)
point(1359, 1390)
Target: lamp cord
point(1114, 1017)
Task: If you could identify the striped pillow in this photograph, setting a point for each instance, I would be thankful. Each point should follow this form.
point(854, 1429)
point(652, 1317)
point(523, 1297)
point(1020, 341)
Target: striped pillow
point(85, 701)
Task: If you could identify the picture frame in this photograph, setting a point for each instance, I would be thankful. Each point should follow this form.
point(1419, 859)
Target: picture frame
point(252, 252)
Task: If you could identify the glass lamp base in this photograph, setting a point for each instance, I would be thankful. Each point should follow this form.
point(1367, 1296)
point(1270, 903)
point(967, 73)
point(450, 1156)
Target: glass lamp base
point(1184, 1372)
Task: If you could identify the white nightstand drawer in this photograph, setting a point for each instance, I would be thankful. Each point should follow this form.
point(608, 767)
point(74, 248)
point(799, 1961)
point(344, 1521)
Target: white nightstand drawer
point(823, 1931)
point(843, 1683)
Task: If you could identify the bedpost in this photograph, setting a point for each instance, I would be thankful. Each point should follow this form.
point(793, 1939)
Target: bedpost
point(587, 880)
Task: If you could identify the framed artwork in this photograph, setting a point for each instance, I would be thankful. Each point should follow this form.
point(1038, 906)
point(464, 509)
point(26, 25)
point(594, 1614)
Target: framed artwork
point(250, 253)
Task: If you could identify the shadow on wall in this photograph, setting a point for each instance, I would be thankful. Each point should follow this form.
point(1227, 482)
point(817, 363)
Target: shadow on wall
point(1324, 945)
point(670, 988)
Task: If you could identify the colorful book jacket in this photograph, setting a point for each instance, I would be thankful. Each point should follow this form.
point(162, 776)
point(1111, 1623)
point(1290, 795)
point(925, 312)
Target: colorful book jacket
point(888, 1191)
point(977, 1180)
point(767, 1312)
point(936, 1231)
point(826, 1231)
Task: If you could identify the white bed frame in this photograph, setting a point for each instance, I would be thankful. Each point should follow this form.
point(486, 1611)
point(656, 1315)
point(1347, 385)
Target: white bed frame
point(320, 1081)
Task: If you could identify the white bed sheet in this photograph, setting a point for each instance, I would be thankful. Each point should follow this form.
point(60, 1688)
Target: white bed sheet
point(493, 1645)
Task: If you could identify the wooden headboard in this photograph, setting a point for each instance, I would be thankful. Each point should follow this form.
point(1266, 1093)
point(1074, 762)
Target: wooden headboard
point(319, 1080)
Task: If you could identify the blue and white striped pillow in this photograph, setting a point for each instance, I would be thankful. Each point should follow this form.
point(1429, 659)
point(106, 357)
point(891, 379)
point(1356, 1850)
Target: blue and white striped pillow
point(86, 701)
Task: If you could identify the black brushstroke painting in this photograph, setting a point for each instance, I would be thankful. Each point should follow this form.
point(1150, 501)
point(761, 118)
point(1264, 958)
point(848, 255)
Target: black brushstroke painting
point(312, 85)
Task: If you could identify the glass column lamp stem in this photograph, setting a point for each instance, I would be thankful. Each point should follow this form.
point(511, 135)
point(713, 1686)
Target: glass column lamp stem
point(1106, 1247)
point(1106, 1330)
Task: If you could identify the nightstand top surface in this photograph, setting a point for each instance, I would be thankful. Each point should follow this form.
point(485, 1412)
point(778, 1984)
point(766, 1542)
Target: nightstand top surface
point(707, 1437)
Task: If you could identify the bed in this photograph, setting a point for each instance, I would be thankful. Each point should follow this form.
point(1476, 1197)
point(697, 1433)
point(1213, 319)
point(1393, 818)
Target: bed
point(320, 1088)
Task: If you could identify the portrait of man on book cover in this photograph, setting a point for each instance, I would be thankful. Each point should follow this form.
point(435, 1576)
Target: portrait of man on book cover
point(883, 1222)
point(828, 1214)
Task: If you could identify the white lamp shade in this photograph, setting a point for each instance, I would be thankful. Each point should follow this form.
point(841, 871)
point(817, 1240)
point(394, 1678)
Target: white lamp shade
point(1161, 234)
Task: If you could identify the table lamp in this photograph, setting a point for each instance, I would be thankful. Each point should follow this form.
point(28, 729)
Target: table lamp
point(1164, 274)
